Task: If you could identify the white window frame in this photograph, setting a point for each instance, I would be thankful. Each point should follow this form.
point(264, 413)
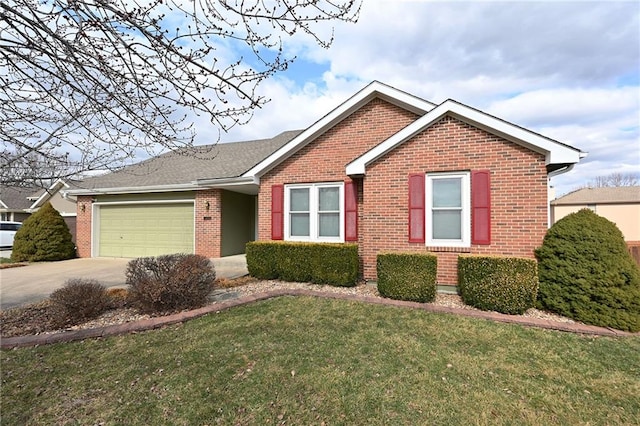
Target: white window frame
point(314, 191)
point(465, 241)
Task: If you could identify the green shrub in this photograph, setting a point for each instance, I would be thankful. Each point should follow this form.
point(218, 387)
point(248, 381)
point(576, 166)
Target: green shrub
point(79, 300)
point(44, 236)
point(503, 284)
point(333, 264)
point(262, 260)
point(587, 273)
point(407, 276)
point(170, 282)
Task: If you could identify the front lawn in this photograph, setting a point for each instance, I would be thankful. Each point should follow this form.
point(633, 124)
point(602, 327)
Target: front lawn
point(315, 361)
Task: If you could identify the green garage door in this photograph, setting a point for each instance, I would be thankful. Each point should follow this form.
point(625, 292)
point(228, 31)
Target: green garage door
point(141, 230)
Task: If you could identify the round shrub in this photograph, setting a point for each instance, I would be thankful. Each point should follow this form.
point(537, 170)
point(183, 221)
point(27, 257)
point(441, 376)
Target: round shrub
point(44, 236)
point(79, 300)
point(407, 276)
point(170, 282)
point(588, 274)
point(503, 284)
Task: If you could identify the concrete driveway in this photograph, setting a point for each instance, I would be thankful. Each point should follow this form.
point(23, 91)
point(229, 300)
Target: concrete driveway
point(32, 283)
point(35, 282)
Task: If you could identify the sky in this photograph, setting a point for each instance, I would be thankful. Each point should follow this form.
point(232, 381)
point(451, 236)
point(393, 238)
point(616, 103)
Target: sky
point(570, 71)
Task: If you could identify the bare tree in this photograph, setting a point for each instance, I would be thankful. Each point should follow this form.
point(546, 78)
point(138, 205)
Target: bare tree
point(87, 85)
point(615, 179)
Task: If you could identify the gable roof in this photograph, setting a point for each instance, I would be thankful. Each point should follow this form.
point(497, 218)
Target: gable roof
point(187, 168)
point(373, 90)
point(16, 197)
point(556, 153)
point(30, 198)
point(607, 195)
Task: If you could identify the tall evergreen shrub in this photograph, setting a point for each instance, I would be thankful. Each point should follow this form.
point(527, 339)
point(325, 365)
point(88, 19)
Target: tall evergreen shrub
point(586, 273)
point(44, 236)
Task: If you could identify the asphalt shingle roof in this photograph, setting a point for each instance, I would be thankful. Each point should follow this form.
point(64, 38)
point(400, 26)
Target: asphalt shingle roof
point(16, 198)
point(620, 194)
point(222, 160)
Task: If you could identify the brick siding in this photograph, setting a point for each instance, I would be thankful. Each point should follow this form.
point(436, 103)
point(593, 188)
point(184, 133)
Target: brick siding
point(83, 225)
point(518, 193)
point(208, 225)
point(325, 159)
point(518, 183)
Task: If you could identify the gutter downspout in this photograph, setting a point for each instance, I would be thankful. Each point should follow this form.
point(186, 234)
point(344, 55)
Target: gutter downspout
point(554, 173)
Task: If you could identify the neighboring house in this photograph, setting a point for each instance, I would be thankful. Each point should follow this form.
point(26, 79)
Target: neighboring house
point(385, 169)
point(15, 203)
point(621, 205)
point(18, 203)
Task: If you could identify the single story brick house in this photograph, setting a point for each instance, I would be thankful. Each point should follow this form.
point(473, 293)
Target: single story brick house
point(385, 169)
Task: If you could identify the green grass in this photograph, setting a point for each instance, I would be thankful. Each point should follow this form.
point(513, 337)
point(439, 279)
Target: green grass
point(308, 361)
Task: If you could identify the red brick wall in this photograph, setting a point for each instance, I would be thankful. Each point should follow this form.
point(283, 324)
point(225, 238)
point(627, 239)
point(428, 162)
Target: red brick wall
point(518, 183)
point(325, 159)
point(208, 224)
point(518, 193)
point(83, 225)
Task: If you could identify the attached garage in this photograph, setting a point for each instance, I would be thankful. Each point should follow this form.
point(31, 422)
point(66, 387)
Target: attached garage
point(140, 230)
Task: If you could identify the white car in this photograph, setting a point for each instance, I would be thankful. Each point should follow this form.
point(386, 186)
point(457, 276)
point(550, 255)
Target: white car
point(7, 232)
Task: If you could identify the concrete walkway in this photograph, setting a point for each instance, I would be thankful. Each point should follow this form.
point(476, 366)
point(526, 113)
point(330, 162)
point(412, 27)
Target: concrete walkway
point(158, 322)
point(35, 282)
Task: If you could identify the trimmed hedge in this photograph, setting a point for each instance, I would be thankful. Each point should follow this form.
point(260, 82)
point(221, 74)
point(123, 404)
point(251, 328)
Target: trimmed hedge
point(503, 284)
point(588, 274)
point(407, 276)
point(333, 264)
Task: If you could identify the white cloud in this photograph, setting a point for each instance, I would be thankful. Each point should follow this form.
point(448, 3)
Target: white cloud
point(570, 71)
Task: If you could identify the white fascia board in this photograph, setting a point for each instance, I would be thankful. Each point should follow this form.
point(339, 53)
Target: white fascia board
point(555, 152)
point(226, 182)
point(48, 193)
point(358, 166)
point(371, 91)
point(134, 189)
point(4, 206)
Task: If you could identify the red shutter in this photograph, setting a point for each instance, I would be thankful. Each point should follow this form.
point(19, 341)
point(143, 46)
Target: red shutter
point(480, 207)
point(416, 208)
point(350, 211)
point(277, 212)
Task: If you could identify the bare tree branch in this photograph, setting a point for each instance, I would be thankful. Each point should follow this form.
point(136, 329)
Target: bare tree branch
point(87, 85)
point(615, 179)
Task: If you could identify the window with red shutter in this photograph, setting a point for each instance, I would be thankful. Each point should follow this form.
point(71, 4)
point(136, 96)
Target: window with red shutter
point(447, 209)
point(416, 208)
point(350, 211)
point(277, 210)
point(316, 212)
point(481, 207)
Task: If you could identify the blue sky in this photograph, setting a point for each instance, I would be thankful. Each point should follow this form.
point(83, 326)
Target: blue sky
point(570, 71)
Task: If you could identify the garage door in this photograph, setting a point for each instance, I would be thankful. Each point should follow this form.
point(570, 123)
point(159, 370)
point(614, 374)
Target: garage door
point(140, 230)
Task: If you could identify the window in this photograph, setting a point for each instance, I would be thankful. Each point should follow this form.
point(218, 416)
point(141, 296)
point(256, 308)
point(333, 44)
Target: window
point(448, 213)
point(314, 212)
